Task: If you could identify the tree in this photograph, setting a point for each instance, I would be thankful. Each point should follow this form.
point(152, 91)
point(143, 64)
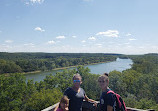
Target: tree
point(116, 82)
point(43, 99)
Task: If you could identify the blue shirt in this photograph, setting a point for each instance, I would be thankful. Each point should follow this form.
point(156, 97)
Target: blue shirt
point(106, 99)
point(75, 99)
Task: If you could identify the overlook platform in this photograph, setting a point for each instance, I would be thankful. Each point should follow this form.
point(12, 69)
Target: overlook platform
point(87, 106)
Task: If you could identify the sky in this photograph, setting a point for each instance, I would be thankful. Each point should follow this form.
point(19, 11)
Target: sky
point(79, 26)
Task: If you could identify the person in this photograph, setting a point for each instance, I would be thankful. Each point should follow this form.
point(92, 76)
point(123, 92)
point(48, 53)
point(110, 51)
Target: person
point(107, 101)
point(64, 103)
point(76, 94)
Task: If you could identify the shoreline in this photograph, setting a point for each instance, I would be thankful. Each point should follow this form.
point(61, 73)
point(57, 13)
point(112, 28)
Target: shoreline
point(38, 71)
point(34, 72)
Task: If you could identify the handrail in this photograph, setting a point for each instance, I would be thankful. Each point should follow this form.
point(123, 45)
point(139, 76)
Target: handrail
point(50, 108)
point(88, 106)
point(134, 109)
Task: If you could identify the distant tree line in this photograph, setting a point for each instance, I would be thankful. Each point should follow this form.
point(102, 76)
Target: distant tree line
point(28, 62)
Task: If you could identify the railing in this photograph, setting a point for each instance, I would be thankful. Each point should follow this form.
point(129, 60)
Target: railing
point(87, 106)
point(50, 108)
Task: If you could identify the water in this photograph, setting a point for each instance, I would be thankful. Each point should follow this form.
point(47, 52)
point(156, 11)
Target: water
point(119, 65)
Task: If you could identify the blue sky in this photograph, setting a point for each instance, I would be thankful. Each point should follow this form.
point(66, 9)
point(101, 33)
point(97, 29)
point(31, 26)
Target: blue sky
point(79, 26)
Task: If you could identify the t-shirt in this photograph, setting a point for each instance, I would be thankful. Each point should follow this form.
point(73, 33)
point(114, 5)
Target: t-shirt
point(59, 109)
point(106, 99)
point(75, 99)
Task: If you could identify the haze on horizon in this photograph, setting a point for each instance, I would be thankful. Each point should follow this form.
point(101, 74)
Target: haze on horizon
point(79, 26)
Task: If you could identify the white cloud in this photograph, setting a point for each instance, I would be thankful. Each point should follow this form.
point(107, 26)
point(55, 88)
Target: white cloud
point(39, 29)
point(128, 34)
point(119, 44)
point(27, 3)
point(74, 36)
point(60, 37)
point(129, 46)
point(109, 33)
point(8, 41)
point(92, 38)
point(5, 48)
point(58, 41)
point(141, 47)
point(29, 44)
point(87, 0)
point(32, 2)
point(127, 43)
point(99, 45)
point(36, 1)
point(83, 41)
point(51, 42)
point(132, 39)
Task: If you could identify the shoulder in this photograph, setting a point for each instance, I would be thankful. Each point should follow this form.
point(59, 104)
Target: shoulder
point(82, 90)
point(69, 89)
point(110, 94)
point(109, 91)
point(111, 98)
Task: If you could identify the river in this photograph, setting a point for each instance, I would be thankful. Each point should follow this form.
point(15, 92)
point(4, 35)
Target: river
point(119, 65)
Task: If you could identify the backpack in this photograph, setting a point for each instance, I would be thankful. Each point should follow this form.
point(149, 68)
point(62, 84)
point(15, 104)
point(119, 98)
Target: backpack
point(120, 104)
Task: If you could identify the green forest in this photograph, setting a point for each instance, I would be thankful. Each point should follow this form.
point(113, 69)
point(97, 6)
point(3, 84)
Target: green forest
point(138, 86)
